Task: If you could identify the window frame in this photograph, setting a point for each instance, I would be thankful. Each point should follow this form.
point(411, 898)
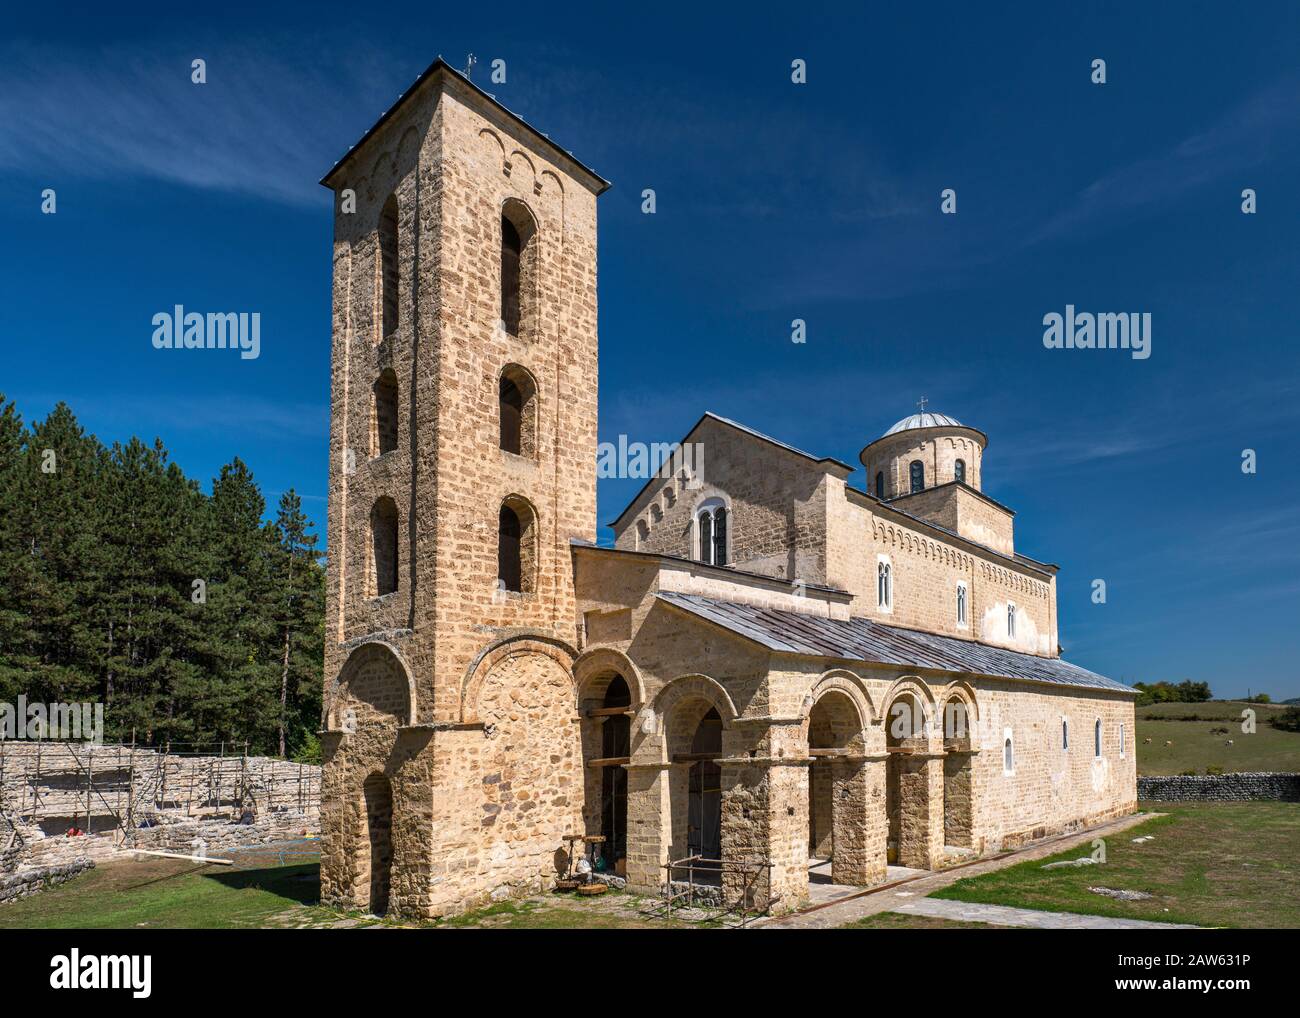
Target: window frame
point(1012, 611)
point(710, 508)
point(1008, 751)
point(1096, 740)
point(963, 605)
point(884, 584)
point(916, 477)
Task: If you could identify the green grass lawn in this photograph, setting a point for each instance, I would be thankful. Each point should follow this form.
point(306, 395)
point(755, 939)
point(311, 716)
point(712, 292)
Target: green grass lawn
point(1195, 747)
point(154, 893)
point(1211, 864)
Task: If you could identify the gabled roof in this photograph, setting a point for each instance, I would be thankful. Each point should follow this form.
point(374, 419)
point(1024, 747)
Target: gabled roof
point(443, 69)
point(859, 639)
point(822, 461)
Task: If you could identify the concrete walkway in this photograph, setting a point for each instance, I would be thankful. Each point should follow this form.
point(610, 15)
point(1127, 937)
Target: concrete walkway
point(912, 892)
point(1003, 915)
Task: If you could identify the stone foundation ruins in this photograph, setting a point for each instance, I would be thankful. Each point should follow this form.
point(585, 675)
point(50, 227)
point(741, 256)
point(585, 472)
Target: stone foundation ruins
point(121, 797)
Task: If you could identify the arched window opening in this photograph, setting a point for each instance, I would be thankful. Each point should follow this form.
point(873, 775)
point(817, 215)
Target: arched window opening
point(917, 472)
point(388, 273)
point(884, 586)
point(511, 253)
point(517, 268)
point(1065, 734)
point(711, 521)
point(512, 408)
point(880, 484)
point(383, 548)
point(961, 604)
point(959, 471)
point(1096, 738)
point(1008, 756)
point(1121, 740)
point(518, 403)
point(516, 547)
point(1011, 621)
point(383, 414)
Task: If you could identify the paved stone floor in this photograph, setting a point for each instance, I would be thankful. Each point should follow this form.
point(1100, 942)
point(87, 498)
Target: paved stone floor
point(822, 891)
point(846, 908)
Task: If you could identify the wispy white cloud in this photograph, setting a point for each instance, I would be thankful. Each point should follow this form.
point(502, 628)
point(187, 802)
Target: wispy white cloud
point(1243, 138)
point(266, 123)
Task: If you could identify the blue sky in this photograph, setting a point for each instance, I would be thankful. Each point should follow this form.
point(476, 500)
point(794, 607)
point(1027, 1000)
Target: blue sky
point(775, 201)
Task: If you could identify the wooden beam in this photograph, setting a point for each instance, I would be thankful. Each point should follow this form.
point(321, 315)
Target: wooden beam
point(817, 753)
point(694, 757)
point(608, 712)
point(609, 761)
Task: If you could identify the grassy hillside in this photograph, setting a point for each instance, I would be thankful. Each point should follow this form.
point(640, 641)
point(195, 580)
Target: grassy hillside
point(1195, 746)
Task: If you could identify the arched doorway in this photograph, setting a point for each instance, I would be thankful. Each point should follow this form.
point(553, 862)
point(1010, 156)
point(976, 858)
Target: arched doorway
point(837, 798)
point(704, 789)
point(378, 795)
point(616, 745)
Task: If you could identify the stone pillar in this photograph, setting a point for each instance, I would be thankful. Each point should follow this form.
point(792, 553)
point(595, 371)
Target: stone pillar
point(920, 794)
point(649, 825)
point(858, 820)
point(958, 800)
point(765, 820)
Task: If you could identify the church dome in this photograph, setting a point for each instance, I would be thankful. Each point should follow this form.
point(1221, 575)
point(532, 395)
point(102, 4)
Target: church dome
point(923, 420)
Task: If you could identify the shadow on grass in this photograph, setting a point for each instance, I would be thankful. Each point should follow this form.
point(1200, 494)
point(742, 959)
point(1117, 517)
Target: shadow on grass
point(296, 883)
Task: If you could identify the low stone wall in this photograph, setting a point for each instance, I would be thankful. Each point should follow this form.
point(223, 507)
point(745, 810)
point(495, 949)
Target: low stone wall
point(1220, 787)
point(180, 836)
point(29, 880)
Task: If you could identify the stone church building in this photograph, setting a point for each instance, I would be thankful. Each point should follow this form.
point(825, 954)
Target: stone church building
point(770, 667)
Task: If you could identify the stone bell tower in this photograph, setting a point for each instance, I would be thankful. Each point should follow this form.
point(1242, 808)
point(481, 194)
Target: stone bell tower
point(462, 454)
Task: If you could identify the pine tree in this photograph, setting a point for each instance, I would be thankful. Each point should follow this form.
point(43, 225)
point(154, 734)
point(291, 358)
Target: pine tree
point(189, 617)
point(301, 621)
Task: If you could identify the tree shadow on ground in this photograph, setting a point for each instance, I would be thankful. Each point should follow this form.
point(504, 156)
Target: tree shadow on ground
point(295, 883)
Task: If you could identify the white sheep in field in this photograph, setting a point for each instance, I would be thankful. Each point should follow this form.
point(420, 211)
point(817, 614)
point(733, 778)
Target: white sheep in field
point(1228, 743)
point(1146, 742)
point(1169, 742)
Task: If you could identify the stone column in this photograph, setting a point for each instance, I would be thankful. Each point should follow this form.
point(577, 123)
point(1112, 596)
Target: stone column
point(765, 820)
point(649, 825)
point(858, 820)
point(920, 793)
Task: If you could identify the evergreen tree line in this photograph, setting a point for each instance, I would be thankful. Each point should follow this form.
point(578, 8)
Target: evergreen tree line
point(192, 620)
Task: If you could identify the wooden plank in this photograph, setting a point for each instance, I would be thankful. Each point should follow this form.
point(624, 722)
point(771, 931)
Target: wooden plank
point(609, 761)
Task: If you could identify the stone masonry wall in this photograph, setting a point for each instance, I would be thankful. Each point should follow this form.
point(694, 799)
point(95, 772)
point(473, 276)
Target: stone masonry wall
point(1220, 787)
point(777, 499)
